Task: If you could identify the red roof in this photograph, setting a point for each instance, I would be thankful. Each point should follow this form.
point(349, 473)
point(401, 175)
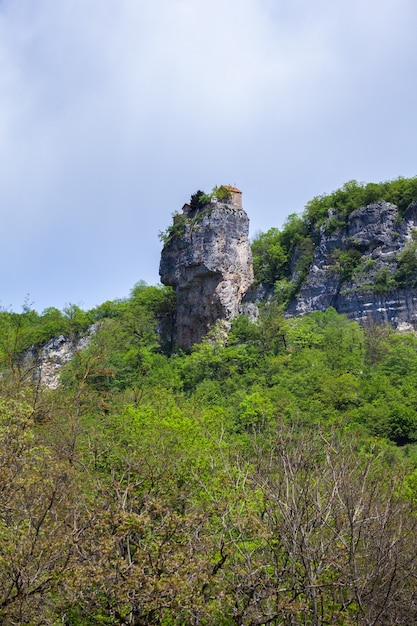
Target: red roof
point(232, 189)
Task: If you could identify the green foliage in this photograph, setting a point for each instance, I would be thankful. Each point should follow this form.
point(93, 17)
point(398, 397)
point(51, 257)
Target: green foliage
point(121, 352)
point(176, 229)
point(221, 193)
point(255, 411)
point(304, 257)
point(37, 489)
point(347, 261)
point(402, 192)
point(199, 204)
point(269, 257)
point(294, 230)
point(274, 250)
point(406, 274)
point(363, 267)
point(284, 290)
point(384, 281)
point(78, 320)
point(333, 224)
point(198, 200)
point(175, 489)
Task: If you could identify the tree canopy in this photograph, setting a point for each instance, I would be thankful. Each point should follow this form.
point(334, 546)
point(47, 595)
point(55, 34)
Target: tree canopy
point(266, 478)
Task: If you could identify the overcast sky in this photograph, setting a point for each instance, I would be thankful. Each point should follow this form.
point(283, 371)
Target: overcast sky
point(113, 112)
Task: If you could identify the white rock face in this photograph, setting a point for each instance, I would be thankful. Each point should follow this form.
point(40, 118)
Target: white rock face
point(55, 354)
point(210, 266)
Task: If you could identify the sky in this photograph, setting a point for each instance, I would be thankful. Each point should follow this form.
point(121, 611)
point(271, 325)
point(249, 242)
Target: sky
point(113, 112)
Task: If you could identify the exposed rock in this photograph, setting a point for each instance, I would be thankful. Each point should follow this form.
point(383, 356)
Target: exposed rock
point(372, 240)
point(50, 358)
point(255, 295)
point(207, 259)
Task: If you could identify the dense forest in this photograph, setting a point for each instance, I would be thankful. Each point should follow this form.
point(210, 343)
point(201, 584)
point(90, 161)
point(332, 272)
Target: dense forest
point(268, 476)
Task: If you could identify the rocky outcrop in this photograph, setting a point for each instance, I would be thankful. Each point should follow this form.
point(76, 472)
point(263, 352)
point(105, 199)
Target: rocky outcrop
point(48, 359)
point(366, 269)
point(207, 260)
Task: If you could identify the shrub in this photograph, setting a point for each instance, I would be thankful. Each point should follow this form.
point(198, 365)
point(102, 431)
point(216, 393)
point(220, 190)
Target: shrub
point(406, 273)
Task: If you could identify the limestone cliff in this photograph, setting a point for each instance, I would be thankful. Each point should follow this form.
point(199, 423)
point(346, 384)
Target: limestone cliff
point(208, 261)
point(45, 362)
point(366, 269)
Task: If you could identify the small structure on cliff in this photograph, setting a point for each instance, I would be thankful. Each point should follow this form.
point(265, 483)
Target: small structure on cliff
point(234, 195)
point(207, 259)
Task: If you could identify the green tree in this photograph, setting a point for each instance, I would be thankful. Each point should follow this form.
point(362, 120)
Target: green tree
point(198, 200)
point(269, 257)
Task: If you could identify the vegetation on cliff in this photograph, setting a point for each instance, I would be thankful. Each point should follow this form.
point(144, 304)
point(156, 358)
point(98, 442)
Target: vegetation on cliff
point(201, 204)
point(283, 257)
point(402, 192)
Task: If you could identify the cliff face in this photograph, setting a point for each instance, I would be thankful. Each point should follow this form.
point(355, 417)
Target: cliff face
point(48, 360)
point(366, 269)
point(208, 261)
